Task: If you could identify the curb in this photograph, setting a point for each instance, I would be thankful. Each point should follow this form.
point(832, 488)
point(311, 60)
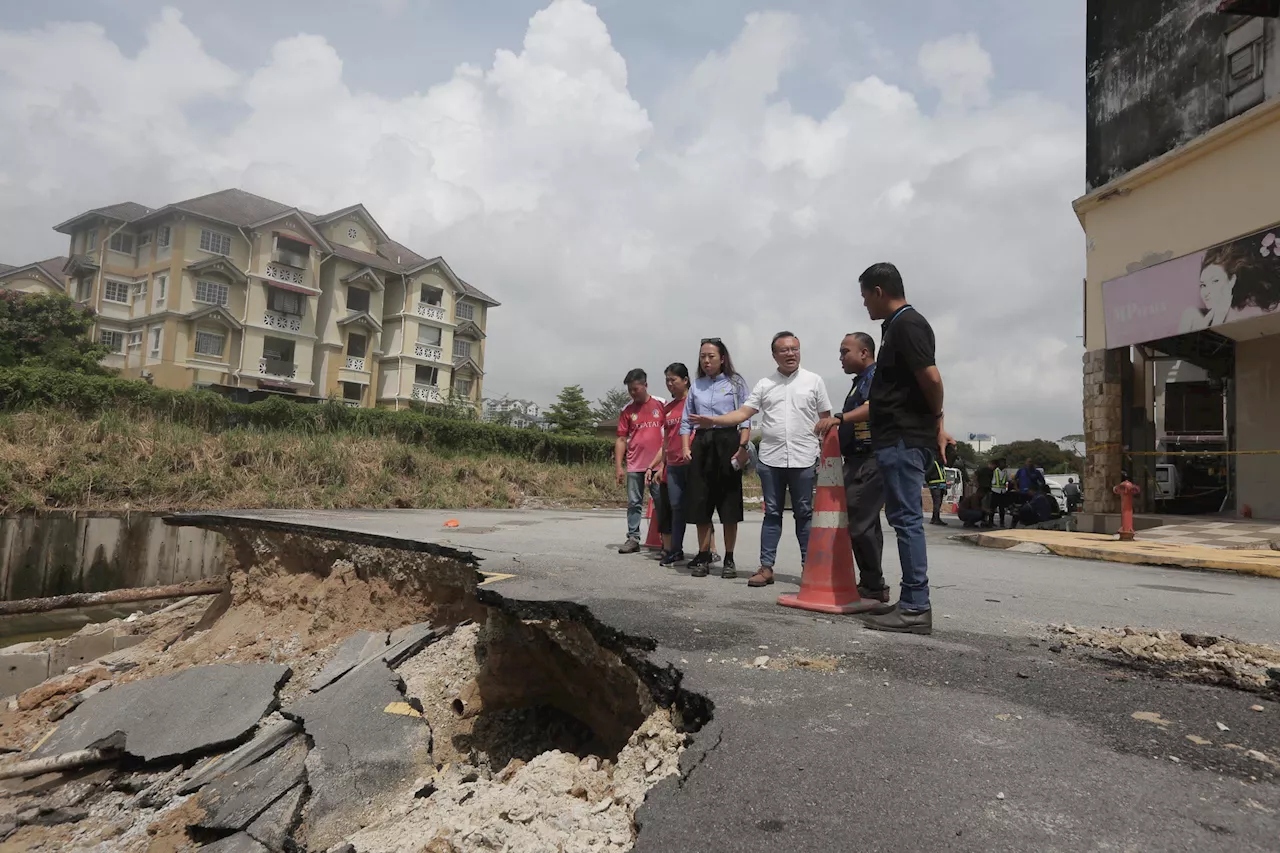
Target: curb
point(1085, 546)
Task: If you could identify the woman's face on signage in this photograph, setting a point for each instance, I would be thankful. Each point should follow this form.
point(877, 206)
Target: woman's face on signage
point(1216, 287)
point(709, 358)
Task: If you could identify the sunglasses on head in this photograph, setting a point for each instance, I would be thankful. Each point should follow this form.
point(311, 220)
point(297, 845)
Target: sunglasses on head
point(711, 341)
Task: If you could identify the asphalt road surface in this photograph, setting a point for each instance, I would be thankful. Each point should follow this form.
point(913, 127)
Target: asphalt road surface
point(979, 737)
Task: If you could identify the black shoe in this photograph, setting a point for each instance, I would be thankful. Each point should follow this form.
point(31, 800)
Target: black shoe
point(939, 522)
point(899, 621)
point(729, 569)
point(672, 559)
point(699, 565)
point(866, 593)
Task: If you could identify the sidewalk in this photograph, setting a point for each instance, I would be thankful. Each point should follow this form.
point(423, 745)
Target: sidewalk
point(1144, 551)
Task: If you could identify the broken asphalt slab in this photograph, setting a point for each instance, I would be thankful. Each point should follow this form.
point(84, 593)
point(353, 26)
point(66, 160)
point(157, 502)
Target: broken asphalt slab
point(357, 648)
point(361, 753)
point(274, 827)
point(196, 710)
point(241, 842)
point(263, 744)
point(236, 800)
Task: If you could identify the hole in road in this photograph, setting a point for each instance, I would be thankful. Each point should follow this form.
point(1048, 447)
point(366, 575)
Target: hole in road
point(1188, 589)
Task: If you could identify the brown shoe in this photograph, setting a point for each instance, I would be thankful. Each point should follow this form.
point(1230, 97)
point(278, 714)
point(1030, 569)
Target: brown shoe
point(763, 577)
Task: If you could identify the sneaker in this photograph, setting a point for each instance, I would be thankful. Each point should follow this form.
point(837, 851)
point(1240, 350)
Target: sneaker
point(700, 565)
point(672, 559)
point(714, 558)
point(866, 593)
point(899, 621)
point(939, 523)
point(632, 547)
point(729, 570)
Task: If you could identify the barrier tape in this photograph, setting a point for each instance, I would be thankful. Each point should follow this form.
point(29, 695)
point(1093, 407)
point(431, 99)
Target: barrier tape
point(1184, 452)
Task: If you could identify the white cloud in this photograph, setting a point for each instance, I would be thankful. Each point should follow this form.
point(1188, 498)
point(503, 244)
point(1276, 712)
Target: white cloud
point(615, 235)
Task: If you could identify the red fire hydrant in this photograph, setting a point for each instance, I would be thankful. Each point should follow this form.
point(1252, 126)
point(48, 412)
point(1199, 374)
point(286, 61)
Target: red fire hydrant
point(1126, 491)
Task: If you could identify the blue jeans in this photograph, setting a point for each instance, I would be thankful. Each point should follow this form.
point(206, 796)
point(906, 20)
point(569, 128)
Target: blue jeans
point(635, 502)
point(902, 469)
point(775, 482)
point(677, 480)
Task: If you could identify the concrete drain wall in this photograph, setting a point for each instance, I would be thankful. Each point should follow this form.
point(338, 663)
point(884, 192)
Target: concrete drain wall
point(406, 709)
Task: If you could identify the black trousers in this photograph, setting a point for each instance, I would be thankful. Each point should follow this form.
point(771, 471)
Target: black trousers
point(937, 495)
point(714, 487)
point(864, 497)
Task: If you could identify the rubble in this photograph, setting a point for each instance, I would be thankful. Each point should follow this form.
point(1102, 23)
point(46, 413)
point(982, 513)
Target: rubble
point(1210, 659)
point(347, 694)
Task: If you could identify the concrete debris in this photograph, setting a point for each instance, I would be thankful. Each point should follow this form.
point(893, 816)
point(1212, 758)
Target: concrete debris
point(274, 827)
point(358, 648)
point(268, 740)
point(68, 705)
point(1151, 717)
point(361, 756)
point(1214, 660)
point(1257, 708)
point(216, 705)
point(241, 842)
point(1222, 727)
point(1199, 741)
point(236, 800)
point(1029, 548)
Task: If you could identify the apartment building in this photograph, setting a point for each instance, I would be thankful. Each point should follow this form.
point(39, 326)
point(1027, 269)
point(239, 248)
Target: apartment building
point(522, 414)
point(235, 290)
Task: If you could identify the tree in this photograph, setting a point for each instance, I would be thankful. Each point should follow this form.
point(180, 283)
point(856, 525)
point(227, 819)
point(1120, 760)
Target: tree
point(1043, 454)
point(966, 454)
point(571, 413)
point(1075, 440)
point(611, 405)
point(48, 330)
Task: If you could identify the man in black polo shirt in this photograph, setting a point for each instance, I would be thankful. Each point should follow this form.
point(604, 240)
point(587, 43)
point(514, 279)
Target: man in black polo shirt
point(906, 431)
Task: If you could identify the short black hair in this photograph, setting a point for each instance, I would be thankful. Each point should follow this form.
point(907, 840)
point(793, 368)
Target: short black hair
point(636, 375)
point(678, 370)
point(864, 340)
point(884, 276)
point(773, 343)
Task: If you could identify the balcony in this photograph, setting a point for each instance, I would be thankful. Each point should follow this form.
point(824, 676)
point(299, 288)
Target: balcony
point(283, 322)
point(354, 363)
point(428, 351)
point(277, 368)
point(431, 312)
point(286, 274)
point(426, 393)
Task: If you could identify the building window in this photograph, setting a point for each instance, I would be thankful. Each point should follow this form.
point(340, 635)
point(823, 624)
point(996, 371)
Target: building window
point(210, 343)
point(91, 240)
point(140, 291)
point(429, 335)
point(112, 340)
point(423, 375)
point(465, 311)
point(122, 243)
point(357, 345)
point(135, 339)
point(116, 291)
point(284, 301)
point(163, 236)
point(155, 341)
point(462, 385)
point(357, 299)
point(352, 392)
point(212, 292)
point(162, 289)
point(461, 348)
point(212, 241)
point(144, 239)
point(430, 295)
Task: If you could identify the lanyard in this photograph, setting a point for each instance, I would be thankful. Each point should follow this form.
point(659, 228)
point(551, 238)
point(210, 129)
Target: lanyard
point(889, 322)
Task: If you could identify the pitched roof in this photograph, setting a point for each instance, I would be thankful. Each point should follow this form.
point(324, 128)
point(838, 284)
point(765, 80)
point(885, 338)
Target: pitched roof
point(355, 208)
point(125, 211)
point(370, 260)
point(477, 294)
point(51, 268)
point(233, 206)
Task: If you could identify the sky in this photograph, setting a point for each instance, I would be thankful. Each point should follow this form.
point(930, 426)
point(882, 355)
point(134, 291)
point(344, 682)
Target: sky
point(625, 178)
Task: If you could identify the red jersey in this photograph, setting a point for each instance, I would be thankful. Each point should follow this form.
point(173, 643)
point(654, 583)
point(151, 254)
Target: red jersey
point(674, 411)
point(642, 425)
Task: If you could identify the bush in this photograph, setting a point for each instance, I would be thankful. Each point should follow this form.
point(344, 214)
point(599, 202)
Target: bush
point(91, 396)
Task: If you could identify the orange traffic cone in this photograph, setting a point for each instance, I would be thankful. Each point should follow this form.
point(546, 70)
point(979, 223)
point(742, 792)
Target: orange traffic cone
point(652, 542)
point(827, 584)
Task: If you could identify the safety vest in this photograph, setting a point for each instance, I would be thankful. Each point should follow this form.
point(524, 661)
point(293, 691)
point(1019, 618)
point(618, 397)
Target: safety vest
point(999, 482)
point(937, 477)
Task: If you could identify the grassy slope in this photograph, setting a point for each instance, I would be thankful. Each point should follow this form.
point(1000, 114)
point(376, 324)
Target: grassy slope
point(51, 459)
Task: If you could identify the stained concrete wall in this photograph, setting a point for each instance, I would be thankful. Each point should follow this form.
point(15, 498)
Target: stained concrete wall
point(66, 553)
point(1258, 425)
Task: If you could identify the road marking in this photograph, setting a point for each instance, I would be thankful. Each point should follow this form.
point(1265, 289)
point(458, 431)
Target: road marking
point(494, 577)
point(403, 709)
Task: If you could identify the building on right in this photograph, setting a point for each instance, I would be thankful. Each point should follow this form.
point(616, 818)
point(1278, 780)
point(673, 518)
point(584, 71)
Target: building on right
point(1182, 224)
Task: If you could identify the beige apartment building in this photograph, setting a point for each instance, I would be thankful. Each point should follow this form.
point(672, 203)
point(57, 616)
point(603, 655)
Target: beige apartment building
point(233, 290)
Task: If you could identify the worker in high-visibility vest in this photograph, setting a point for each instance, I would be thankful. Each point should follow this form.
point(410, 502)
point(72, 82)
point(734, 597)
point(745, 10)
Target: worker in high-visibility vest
point(936, 478)
point(994, 486)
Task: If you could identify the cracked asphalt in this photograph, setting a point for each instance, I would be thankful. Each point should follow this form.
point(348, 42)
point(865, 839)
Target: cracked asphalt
point(982, 737)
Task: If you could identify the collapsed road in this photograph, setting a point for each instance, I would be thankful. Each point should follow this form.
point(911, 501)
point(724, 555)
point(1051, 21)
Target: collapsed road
point(345, 692)
point(1000, 732)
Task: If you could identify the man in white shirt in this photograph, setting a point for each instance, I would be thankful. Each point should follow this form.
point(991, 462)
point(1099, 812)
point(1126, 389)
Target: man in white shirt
point(790, 403)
